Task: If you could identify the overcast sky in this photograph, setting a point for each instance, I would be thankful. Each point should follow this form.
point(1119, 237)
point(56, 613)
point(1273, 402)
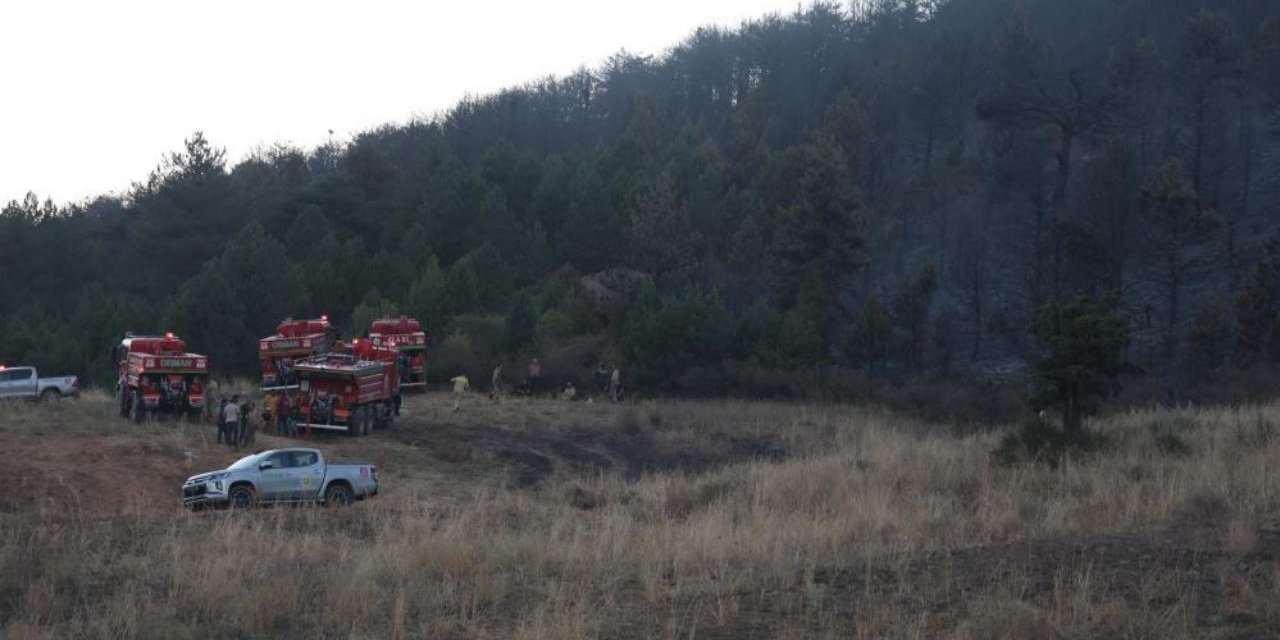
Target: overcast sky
point(92, 94)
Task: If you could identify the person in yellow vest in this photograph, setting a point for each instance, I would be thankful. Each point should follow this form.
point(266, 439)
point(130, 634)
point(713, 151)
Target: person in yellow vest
point(460, 386)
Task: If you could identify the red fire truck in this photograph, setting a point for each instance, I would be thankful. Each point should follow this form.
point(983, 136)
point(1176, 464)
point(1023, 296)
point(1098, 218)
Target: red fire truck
point(155, 374)
point(406, 335)
point(353, 392)
point(293, 340)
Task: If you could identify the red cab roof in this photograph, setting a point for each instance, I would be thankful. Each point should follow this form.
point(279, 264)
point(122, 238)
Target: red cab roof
point(299, 328)
point(403, 324)
point(167, 343)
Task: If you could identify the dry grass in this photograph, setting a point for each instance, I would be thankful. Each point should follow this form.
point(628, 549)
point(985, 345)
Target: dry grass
point(690, 519)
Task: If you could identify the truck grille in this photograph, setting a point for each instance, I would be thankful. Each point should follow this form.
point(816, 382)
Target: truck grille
point(193, 490)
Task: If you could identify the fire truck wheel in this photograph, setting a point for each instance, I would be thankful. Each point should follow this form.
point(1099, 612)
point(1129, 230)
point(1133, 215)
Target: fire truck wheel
point(365, 427)
point(139, 409)
point(356, 422)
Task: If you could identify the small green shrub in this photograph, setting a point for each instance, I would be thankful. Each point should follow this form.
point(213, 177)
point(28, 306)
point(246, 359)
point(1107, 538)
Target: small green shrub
point(1038, 440)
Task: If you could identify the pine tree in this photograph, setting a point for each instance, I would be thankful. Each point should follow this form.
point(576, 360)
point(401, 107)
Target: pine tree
point(868, 337)
point(521, 323)
point(1174, 223)
point(428, 298)
point(1085, 344)
point(1258, 307)
point(1209, 338)
point(818, 239)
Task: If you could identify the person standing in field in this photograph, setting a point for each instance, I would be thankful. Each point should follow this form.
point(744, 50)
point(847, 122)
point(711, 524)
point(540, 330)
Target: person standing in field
point(615, 385)
point(248, 430)
point(222, 420)
point(211, 389)
point(495, 388)
point(601, 378)
point(284, 416)
point(535, 377)
point(569, 392)
point(231, 421)
point(272, 405)
point(460, 386)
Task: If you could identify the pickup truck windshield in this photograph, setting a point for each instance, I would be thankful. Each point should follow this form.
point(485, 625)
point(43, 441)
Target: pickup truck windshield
point(245, 462)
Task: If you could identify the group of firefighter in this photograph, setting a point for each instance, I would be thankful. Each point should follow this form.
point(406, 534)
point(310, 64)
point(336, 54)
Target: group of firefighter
point(608, 383)
point(235, 418)
point(235, 421)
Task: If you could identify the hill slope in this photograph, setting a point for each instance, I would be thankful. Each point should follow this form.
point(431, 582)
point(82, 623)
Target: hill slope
point(940, 169)
point(538, 519)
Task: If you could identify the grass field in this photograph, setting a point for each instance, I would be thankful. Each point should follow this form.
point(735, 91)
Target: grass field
point(537, 519)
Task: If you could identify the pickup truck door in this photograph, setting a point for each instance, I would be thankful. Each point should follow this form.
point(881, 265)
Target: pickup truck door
point(14, 382)
point(28, 383)
point(273, 482)
point(306, 474)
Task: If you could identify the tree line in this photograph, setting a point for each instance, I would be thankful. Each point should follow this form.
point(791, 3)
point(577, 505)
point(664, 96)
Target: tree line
point(894, 189)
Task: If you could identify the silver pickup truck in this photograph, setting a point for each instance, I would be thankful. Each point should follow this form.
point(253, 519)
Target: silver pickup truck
point(24, 383)
point(281, 476)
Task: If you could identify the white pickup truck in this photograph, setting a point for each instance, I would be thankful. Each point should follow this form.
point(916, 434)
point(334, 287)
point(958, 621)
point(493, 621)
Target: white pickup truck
point(281, 475)
point(24, 383)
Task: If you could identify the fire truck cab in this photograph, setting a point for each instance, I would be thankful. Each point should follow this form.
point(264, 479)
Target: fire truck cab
point(405, 335)
point(156, 374)
point(354, 392)
point(292, 341)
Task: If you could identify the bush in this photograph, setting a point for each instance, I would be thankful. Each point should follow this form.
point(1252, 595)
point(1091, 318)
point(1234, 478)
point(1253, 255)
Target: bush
point(554, 325)
point(473, 348)
point(573, 360)
point(1038, 440)
point(1170, 444)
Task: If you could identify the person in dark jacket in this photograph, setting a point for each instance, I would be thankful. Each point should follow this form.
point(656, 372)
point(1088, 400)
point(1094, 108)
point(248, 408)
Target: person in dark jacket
point(284, 416)
point(248, 430)
point(222, 421)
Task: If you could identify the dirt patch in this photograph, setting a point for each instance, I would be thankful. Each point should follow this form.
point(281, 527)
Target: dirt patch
point(584, 441)
point(100, 475)
point(530, 467)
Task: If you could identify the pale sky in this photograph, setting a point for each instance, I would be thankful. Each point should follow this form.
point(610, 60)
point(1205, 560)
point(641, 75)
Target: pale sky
point(92, 94)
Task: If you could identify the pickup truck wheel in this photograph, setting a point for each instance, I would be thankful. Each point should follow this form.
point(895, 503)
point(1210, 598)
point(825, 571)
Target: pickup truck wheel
point(337, 495)
point(50, 395)
point(241, 497)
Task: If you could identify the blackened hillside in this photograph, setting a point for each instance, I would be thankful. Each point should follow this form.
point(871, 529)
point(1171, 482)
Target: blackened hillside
point(894, 189)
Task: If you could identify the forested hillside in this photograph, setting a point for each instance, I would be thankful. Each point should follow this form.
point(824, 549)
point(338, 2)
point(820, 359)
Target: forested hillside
point(893, 189)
